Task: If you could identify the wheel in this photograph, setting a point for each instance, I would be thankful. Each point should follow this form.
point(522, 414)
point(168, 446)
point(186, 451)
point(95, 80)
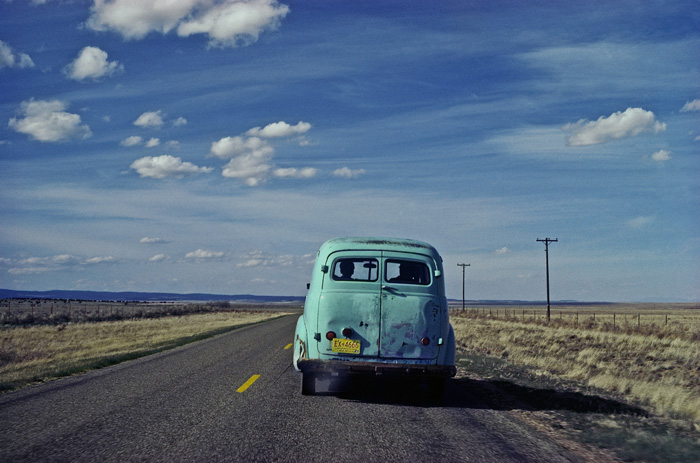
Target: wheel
point(308, 383)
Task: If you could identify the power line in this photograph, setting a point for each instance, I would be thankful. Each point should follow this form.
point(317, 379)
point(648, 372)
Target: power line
point(546, 242)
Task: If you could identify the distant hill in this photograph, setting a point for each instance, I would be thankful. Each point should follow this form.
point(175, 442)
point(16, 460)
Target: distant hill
point(138, 296)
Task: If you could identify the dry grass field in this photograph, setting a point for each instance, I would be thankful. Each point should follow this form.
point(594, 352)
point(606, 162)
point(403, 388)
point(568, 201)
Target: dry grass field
point(647, 354)
point(677, 318)
point(29, 311)
point(41, 352)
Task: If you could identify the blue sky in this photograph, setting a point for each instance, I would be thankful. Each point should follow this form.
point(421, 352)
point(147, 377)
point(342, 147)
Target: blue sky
point(213, 145)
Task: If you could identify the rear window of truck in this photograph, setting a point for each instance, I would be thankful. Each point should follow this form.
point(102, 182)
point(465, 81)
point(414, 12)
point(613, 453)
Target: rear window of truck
point(406, 272)
point(355, 269)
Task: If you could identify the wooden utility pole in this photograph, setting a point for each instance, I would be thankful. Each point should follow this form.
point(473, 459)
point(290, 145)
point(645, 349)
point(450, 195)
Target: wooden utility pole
point(463, 268)
point(546, 242)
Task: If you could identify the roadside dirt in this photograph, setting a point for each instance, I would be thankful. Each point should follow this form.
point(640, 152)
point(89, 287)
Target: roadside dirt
point(518, 402)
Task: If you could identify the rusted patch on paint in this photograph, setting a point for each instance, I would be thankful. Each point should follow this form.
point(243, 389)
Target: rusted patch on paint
point(406, 243)
point(302, 347)
point(382, 242)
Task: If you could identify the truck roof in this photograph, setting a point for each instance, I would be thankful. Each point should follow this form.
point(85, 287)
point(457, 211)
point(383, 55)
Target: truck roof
point(378, 243)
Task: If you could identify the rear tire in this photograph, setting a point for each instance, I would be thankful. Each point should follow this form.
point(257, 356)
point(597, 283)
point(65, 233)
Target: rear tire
point(308, 384)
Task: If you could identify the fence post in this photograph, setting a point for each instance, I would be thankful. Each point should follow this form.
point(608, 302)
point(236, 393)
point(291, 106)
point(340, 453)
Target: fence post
point(639, 320)
point(613, 321)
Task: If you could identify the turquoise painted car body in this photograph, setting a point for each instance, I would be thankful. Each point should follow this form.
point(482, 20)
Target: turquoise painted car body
point(385, 299)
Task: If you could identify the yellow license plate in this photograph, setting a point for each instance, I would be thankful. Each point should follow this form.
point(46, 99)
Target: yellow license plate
point(345, 346)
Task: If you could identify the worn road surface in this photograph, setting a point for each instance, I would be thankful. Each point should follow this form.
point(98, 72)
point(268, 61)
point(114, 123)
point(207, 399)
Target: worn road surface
point(185, 405)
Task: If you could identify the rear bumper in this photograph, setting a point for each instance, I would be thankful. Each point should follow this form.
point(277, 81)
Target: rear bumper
point(349, 368)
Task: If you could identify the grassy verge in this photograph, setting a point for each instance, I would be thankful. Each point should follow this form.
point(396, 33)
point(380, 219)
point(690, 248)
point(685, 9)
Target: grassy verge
point(22, 311)
point(39, 353)
point(637, 395)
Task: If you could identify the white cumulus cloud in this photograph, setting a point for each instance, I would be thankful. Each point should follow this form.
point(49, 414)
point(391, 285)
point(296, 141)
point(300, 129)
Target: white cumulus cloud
point(153, 142)
point(279, 129)
point(251, 155)
point(229, 147)
point(134, 19)
point(92, 63)
point(166, 166)
point(231, 22)
point(204, 254)
point(629, 123)
point(691, 106)
point(132, 141)
point(225, 22)
point(150, 119)
point(293, 172)
point(250, 161)
point(253, 168)
point(11, 59)
point(148, 240)
point(47, 121)
point(261, 259)
point(661, 155)
point(503, 250)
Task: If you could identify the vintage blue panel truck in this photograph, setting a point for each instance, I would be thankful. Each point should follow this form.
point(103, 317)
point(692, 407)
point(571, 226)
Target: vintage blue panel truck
point(375, 306)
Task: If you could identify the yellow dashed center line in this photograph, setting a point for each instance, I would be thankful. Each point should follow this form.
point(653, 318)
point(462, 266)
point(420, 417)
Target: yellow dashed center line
point(248, 383)
point(288, 346)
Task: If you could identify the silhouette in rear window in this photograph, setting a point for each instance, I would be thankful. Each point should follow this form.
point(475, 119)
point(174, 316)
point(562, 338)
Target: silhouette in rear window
point(407, 272)
point(355, 269)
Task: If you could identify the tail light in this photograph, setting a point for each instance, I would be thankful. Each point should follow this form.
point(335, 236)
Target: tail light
point(330, 335)
point(347, 332)
point(425, 341)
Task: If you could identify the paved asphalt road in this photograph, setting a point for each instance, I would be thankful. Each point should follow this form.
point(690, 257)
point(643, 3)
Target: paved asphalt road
point(183, 405)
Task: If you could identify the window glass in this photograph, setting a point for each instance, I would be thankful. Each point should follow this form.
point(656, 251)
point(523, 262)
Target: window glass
point(355, 269)
point(407, 272)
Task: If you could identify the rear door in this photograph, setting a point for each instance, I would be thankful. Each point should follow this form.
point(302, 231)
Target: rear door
point(410, 307)
point(350, 298)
